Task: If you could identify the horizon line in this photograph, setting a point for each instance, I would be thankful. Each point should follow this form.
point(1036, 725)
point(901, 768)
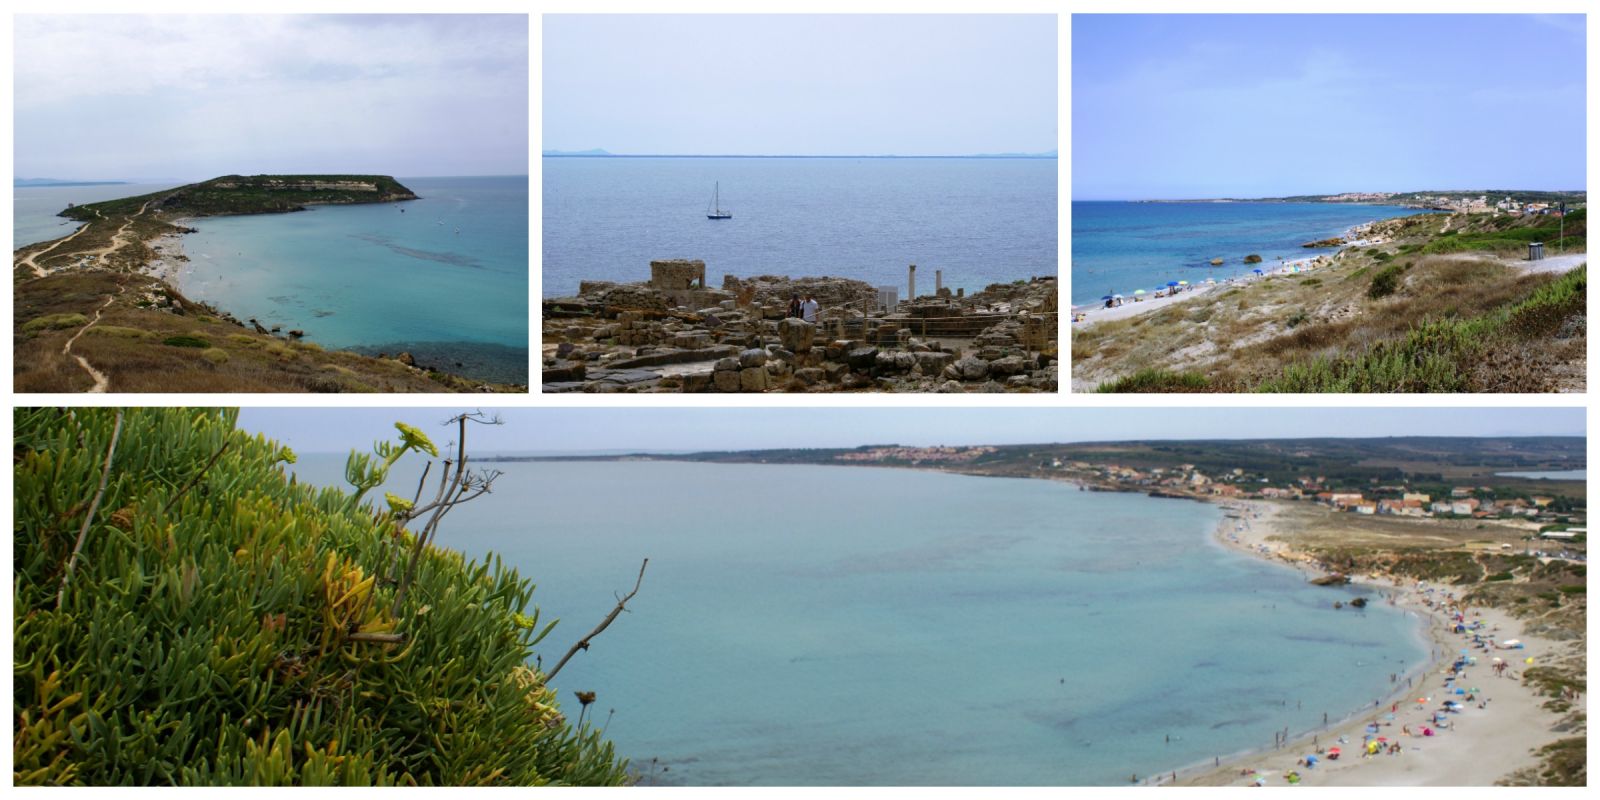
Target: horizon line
point(1323, 194)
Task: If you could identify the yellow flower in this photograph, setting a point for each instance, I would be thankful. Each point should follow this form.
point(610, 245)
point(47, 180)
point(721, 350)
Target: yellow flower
point(415, 438)
point(287, 456)
point(398, 505)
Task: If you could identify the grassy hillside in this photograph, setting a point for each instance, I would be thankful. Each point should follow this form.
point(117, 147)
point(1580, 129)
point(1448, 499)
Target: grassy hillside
point(1444, 304)
point(225, 625)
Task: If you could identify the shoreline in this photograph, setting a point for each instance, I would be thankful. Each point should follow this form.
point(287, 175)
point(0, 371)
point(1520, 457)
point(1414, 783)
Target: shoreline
point(1413, 765)
point(1087, 314)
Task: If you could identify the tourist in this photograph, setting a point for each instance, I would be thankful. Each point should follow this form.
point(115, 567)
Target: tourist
point(808, 309)
point(794, 306)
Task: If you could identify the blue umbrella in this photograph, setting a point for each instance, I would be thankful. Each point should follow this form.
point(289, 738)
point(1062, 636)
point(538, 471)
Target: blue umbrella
point(1172, 283)
point(1257, 271)
point(1107, 297)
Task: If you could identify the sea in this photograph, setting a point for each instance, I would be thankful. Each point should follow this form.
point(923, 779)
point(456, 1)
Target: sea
point(1550, 475)
point(822, 625)
point(1118, 247)
point(34, 209)
point(980, 220)
point(445, 280)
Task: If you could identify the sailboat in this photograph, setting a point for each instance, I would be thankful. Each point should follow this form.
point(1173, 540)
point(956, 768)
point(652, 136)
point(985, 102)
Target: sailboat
point(714, 209)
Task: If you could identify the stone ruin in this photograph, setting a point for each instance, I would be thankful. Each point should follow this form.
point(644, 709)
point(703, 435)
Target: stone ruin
point(674, 334)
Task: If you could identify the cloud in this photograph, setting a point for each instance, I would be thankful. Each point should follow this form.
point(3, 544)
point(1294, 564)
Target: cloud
point(329, 89)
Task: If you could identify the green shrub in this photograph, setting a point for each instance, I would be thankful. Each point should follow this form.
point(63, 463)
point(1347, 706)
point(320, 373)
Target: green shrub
point(1157, 380)
point(1311, 282)
point(1386, 281)
point(244, 339)
point(208, 632)
point(1297, 318)
point(215, 355)
point(185, 341)
point(54, 322)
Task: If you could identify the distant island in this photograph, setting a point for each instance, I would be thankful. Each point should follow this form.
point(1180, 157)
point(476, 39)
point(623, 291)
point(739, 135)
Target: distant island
point(40, 182)
point(95, 310)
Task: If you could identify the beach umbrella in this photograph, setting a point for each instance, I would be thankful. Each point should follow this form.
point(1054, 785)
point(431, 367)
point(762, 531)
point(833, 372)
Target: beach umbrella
point(1172, 283)
point(1138, 291)
point(1116, 297)
point(1107, 297)
point(1183, 283)
point(1258, 272)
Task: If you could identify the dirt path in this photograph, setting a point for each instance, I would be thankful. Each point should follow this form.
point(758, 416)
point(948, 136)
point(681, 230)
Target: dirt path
point(30, 261)
point(100, 379)
point(117, 242)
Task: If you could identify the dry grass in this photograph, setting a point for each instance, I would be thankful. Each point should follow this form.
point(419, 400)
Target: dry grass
point(128, 345)
point(1245, 336)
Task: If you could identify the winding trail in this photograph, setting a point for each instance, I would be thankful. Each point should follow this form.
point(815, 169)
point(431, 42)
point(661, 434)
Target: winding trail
point(100, 379)
point(30, 261)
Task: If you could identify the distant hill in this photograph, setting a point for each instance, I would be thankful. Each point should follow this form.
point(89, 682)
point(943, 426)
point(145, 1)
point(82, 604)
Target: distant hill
point(599, 152)
point(55, 182)
point(254, 194)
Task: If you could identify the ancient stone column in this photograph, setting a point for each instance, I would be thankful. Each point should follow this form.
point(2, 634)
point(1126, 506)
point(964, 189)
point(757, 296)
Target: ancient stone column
point(911, 283)
point(938, 281)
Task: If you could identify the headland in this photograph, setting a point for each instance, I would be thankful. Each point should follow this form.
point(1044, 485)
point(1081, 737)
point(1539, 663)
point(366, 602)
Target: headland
point(97, 310)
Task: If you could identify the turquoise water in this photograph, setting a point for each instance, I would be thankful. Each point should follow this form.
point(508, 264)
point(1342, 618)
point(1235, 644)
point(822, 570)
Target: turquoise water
point(1118, 247)
point(34, 208)
point(1551, 475)
point(981, 221)
point(373, 279)
point(853, 626)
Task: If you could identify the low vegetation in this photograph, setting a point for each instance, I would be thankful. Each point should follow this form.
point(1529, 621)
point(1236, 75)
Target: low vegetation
point(185, 613)
point(1395, 317)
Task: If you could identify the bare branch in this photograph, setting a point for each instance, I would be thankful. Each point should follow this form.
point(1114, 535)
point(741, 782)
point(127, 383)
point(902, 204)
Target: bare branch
point(105, 473)
point(196, 478)
point(583, 644)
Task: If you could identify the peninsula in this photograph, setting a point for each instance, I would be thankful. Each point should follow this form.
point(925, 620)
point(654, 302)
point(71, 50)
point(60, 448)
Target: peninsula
point(96, 310)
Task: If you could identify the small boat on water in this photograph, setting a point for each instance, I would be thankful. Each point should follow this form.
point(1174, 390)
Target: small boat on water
point(714, 210)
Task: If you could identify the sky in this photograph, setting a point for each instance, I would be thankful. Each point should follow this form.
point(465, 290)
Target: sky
point(1189, 106)
point(846, 84)
point(338, 430)
point(191, 97)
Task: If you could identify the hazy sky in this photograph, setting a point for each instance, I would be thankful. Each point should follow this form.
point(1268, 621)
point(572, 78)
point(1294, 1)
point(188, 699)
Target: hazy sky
point(189, 97)
point(638, 429)
point(1176, 106)
point(844, 84)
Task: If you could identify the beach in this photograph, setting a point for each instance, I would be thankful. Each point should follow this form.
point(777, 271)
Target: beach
point(1133, 306)
point(1491, 737)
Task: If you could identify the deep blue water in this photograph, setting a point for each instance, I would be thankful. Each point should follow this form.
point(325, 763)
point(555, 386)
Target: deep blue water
point(446, 280)
point(1118, 247)
point(982, 221)
point(852, 626)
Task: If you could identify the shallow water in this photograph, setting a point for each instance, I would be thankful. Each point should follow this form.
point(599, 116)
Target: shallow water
point(1551, 475)
point(981, 221)
point(446, 280)
point(1118, 247)
point(856, 626)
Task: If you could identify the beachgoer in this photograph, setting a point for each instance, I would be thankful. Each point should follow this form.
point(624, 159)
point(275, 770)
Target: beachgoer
point(794, 306)
point(808, 309)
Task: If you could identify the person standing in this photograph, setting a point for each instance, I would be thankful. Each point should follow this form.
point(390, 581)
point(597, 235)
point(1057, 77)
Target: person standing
point(808, 309)
point(794, 305)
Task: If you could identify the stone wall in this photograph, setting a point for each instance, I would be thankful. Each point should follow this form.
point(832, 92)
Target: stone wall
point(678, 274)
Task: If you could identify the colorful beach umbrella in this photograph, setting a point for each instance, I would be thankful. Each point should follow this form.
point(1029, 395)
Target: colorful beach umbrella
point(1138, 291)
point(1183, 283)
point(1172, 283)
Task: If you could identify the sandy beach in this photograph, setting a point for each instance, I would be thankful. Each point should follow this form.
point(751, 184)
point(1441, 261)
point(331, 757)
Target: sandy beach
point(1091, 313)
point(1494, 734)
